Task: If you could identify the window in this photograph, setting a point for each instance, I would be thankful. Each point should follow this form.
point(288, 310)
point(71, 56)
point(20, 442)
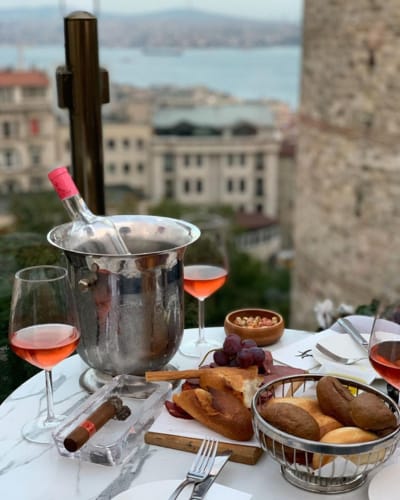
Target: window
point(126, 167)
point(259, 161)
point(230, 160)
point(9, 158)
point(35, 153)
point(186, 186)
point(7, 129)
point(34, 126)
point(126, 143)
point(242, 185)
point(139, 143)
point(169, 162)
point(140, 168)
point(110, 144)
point(6, 94)
point(169, 189)
point(33, 92)
point(199, 160)
point(186, 160)
point(111, 168)
point(259, 188)
point(229, 185)
point(242, 159)
point(259, 208)
point(199, 186)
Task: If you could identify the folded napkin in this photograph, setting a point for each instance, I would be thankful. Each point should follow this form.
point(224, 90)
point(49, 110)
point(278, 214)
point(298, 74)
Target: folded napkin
point(162, 489)
point(291, 354)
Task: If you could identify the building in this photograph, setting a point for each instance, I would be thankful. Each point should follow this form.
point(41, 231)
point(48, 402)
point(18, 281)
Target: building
point(347, 247)
point(209, 155)
point(27, 131)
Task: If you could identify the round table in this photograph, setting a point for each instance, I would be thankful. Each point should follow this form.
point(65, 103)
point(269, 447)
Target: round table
point(37, 472)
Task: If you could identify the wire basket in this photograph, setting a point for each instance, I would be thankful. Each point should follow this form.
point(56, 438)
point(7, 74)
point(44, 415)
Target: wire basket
point(350, 463)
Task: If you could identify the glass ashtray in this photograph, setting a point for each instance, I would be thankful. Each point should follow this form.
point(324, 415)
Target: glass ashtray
point(117, 439)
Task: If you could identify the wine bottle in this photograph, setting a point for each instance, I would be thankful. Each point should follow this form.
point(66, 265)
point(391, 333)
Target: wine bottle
point(89, 233)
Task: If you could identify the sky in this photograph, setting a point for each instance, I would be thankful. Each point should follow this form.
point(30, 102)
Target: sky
point(290, 10)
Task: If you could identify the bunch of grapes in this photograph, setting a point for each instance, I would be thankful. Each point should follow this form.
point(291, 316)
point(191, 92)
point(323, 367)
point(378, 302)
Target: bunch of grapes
point(238, 352)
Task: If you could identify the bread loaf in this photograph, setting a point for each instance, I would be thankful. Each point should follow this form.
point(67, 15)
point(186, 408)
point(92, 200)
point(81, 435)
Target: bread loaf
point(218, 410)
point(370, 412)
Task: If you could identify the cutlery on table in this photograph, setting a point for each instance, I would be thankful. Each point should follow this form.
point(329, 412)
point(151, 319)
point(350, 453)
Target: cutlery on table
point(201, 466)
point(336, 357)
point(200, 489)
point(348, 327)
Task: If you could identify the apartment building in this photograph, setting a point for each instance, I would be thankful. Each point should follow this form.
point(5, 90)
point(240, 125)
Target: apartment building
point(27, 131)
point(208, 155)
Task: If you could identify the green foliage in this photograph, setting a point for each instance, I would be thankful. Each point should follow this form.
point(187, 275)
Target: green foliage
point(37, 212)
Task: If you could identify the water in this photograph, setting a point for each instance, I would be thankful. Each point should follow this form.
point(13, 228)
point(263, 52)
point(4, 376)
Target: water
point(272, 72)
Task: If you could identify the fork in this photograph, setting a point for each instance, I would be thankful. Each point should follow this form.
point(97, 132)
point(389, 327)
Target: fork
point(336, 357)
point(201, 466)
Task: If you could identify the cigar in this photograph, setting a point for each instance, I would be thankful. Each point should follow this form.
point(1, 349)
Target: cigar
point(163, 375)
point(112, 408)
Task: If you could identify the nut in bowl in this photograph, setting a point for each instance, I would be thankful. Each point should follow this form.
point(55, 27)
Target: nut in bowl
point(262, 325)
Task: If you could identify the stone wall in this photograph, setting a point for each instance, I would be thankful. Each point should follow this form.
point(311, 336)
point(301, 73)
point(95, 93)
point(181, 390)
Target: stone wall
point(347, 208)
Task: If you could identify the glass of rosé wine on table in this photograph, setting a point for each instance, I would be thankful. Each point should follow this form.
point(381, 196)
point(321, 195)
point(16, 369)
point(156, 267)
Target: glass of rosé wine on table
point(384, 348)
point(43, 330)
point(205, 272)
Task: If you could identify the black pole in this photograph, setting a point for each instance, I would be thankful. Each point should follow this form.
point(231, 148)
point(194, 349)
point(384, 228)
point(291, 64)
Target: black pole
point(82, 87)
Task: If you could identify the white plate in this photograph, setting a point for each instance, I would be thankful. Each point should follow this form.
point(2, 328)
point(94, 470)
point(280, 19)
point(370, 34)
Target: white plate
point(385, 484)
point(343, 345)
point(162, 489)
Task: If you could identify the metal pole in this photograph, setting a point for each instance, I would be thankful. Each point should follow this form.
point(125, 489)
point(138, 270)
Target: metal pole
point(82, 87)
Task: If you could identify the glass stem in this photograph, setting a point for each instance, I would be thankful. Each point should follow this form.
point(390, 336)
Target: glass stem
point(49, 396)
point(201, 338)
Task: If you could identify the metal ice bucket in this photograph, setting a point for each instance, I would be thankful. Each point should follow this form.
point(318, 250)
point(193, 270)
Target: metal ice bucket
point(130, 307)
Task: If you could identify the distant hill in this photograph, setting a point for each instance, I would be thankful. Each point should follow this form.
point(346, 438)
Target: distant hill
point(178, 28)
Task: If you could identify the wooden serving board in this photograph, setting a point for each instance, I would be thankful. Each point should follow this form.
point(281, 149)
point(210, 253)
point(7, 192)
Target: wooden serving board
point(241, 453)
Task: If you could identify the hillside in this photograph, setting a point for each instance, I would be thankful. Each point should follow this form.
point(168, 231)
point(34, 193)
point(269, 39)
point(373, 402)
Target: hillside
point(179, 28)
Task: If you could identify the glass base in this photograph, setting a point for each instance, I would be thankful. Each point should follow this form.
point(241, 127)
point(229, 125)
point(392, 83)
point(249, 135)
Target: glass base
point(40, 431)
point(196, 349)
point(92, 380)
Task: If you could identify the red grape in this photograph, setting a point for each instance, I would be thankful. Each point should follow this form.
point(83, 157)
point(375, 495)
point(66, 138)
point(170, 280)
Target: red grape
point(232, 344)
point(258, 355)
point(246, 343)
point(245, 358)
point(221, 358)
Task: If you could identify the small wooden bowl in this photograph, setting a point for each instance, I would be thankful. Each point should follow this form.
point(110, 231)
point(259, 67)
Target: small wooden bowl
point(263, 335)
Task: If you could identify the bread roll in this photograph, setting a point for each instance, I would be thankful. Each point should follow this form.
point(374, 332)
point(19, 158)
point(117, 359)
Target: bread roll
point(370, 412)
point(325, 422)
point(218, 410)
point(334, 399)
point(343, 435)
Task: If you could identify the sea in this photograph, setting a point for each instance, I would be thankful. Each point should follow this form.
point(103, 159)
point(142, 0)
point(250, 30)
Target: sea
point(271, 72)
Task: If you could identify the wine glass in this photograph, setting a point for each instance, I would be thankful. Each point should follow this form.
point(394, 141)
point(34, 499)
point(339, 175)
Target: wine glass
point(205, 271)
point(384, 349)
point(43, 330)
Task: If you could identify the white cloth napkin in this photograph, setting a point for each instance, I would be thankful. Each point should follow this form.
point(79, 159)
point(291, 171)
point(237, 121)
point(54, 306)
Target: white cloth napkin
point(290, 355)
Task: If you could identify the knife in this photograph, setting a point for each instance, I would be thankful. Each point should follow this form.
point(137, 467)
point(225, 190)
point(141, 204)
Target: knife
point(354, 333)
point(200, 489)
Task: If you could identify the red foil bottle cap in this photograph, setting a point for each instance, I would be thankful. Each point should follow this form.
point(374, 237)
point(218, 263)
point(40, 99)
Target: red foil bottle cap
point(63, 183)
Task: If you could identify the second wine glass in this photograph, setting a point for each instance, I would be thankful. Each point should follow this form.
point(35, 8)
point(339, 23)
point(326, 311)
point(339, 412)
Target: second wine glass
point(205, 272)
point(43, 330)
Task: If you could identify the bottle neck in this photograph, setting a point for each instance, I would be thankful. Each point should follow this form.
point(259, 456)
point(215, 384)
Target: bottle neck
point(77, 209)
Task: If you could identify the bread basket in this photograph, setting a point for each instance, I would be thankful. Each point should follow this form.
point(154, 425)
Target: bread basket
point(351, 464)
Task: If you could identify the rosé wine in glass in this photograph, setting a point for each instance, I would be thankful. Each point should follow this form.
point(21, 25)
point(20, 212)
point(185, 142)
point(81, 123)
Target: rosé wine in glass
point(43, 330)
point(205, 272)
